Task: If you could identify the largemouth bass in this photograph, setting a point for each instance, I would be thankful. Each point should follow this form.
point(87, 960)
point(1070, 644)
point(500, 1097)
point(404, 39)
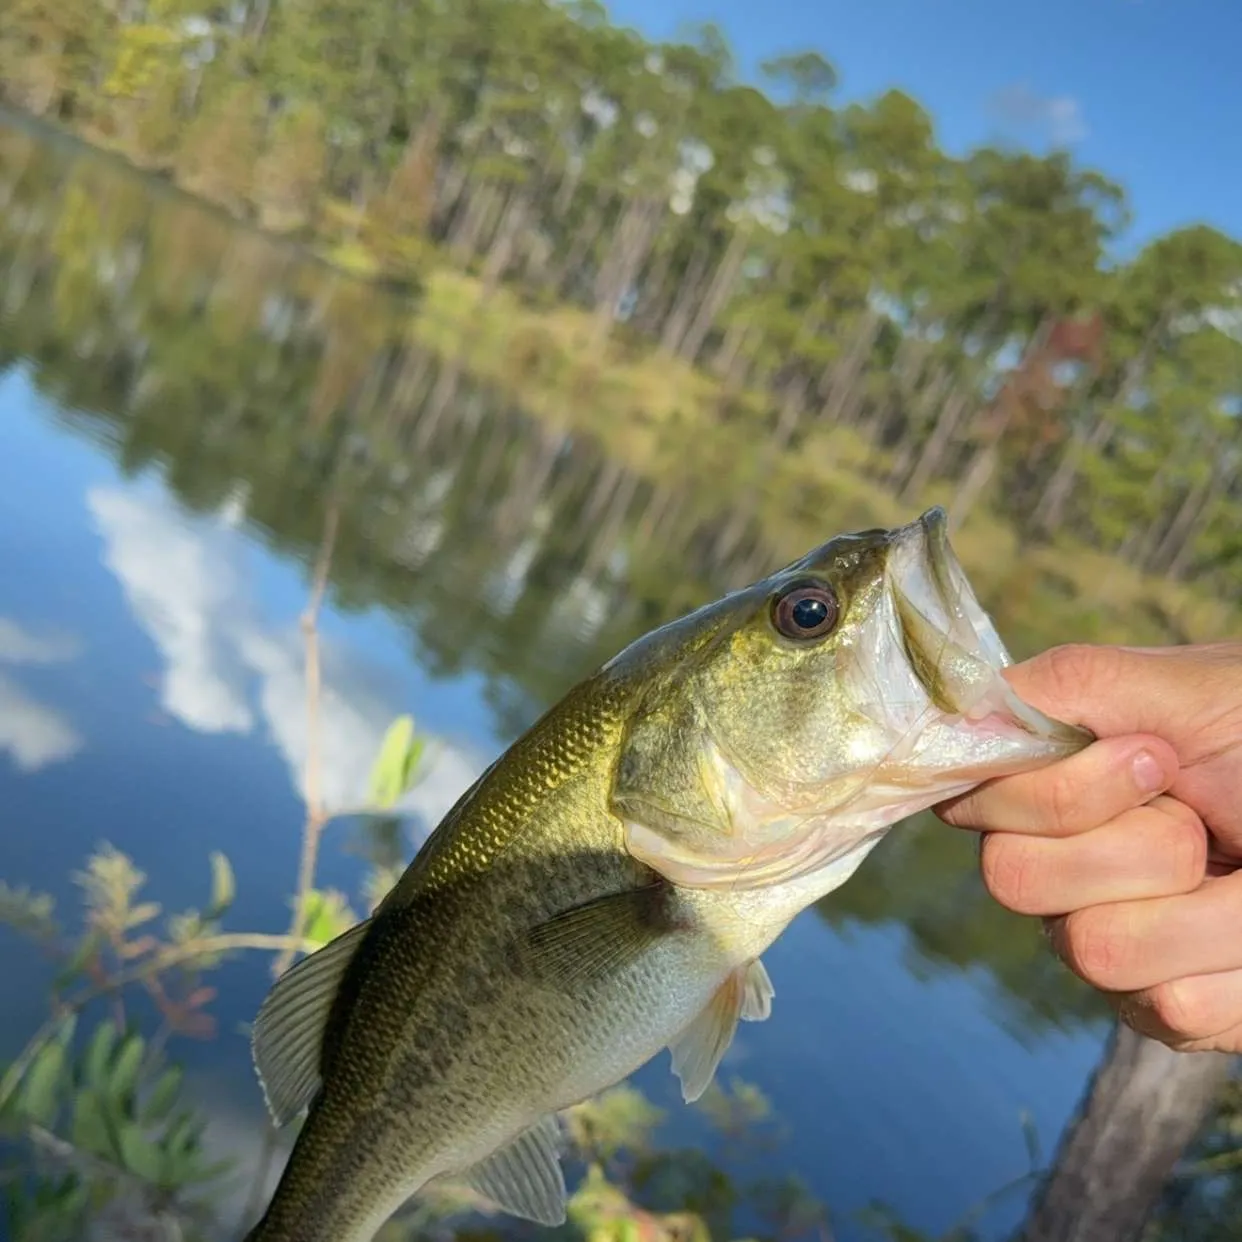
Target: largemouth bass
point(607, 888)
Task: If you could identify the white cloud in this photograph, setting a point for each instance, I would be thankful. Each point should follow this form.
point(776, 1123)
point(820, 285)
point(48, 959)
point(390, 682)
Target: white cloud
point(1058, 119)
point(18, 646)
point(181, 583)
point(228, 670)
point(33, 733)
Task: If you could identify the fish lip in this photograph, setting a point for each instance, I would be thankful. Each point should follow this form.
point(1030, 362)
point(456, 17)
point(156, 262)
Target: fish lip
point(931, 594)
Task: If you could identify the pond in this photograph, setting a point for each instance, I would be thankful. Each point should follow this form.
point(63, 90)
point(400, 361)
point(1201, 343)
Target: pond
point(187, 408)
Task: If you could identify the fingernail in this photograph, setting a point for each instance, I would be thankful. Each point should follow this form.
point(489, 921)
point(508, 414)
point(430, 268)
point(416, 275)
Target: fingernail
point(1148, 772)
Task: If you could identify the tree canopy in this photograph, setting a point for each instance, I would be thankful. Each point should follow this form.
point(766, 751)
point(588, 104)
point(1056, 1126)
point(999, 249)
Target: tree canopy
point(830, 267)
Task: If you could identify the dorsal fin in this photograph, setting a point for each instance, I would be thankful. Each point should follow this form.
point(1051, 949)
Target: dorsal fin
point(287, 1038)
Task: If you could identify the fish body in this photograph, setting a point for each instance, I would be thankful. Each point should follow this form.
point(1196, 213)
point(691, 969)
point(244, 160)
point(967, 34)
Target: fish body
point(608, 887)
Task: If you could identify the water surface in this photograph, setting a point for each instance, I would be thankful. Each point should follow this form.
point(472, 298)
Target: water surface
point(183, 404)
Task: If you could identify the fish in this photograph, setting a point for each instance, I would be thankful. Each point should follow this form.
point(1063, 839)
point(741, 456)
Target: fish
point(607, 888)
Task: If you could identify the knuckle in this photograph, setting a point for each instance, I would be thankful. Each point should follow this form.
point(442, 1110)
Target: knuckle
point(962, 812)
point(1055, 800)
point(1069, 667)
point(1183, 842)
point(1013, 873)
point(1181, 1008)
point(1176, 811)
point(1098, 945)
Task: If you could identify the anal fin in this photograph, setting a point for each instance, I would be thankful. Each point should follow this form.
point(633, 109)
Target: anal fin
point(524, 1178)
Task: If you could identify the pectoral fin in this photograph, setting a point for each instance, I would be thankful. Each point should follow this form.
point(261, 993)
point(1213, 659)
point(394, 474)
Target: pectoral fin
point(287, 1037)
point(600, 937)
point(525, 1178)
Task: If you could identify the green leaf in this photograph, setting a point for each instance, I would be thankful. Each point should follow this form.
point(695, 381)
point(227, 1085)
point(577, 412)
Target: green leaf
point(124, 1076)
point(87, 947)
point(138, 1154)
point(90, 1129)
point(41, 1090)
point(99, 1054)
point(223, 885)
point(396, 766)
point(328, 915)
point(159, 1104)
point(206, 1172)
point(144, 912)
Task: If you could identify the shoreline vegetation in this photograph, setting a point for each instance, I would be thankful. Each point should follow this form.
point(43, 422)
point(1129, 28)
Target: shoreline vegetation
point(739, 322)
point(810, 309)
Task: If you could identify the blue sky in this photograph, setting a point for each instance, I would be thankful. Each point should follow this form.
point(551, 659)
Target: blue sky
point(1147, 91)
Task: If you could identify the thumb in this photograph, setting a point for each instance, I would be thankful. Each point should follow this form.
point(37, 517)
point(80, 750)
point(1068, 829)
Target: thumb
point(1109, 690)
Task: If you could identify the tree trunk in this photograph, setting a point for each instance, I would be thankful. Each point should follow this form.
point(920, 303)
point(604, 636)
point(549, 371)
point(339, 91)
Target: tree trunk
point(934, 388)
point(609, 530)
point(1143, 1107)
point(792, 405)
point(452, 187)
point(937, 444)
point(689, 296)
point(1180, 547)
point(726, 356)
point(846, 373)
point(500, 254)
point(442, 395)
point(576, 252)
point(718, 293)
point(568, 187)
point(652, 304)
point(1050, 510)
point(470, 223)
point(630, 245)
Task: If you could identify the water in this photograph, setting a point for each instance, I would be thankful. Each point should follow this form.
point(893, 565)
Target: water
point(183, 404)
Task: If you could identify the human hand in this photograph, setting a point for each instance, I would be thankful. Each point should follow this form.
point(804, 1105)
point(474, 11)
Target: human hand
point(1132, 849)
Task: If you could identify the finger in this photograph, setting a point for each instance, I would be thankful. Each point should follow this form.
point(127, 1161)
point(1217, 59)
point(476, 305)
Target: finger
point(1081, 792)
point(1150, 851)
point(1109, 690)
point(1193, 1013)
point(1128, 946)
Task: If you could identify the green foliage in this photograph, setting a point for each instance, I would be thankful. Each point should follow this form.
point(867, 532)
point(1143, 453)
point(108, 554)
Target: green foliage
point(817, 264)
point(618, 1120)
point(116, 1116)
point(110, 884)
point(223, 887)
point(1202, 1202)
point(776, 317)
point(327, 915)
point(28, 912)
point(397, 766)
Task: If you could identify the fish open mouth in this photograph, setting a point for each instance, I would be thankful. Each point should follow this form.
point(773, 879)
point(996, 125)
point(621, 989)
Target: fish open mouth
point(950, 642)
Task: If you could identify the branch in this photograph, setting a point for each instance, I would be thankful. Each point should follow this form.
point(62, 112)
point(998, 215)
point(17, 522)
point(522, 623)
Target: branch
point(316, 816)
point(173, 955)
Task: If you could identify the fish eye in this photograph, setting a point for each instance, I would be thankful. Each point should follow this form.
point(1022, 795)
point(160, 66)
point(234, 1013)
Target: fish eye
point(805, 611)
